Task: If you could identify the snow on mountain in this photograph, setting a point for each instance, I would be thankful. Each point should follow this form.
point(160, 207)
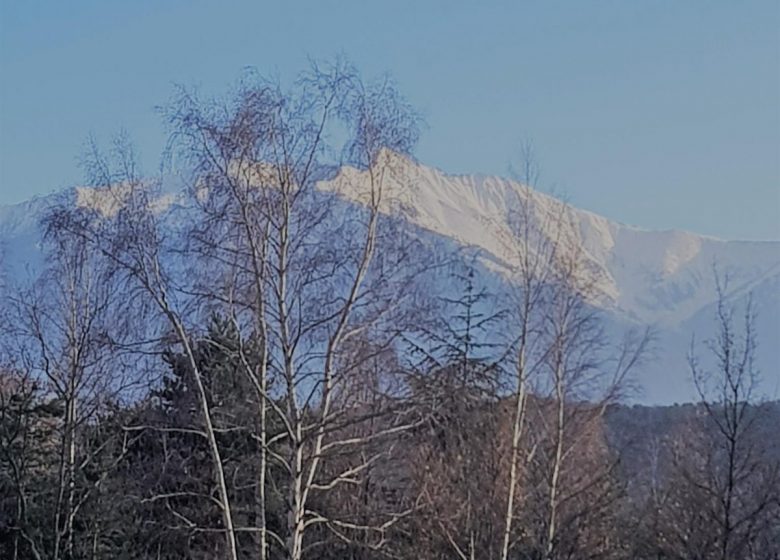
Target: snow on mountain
point(663, 279)
point(647, 277)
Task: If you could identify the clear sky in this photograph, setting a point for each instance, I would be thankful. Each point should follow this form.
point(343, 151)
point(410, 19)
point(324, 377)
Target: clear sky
point(662, 114)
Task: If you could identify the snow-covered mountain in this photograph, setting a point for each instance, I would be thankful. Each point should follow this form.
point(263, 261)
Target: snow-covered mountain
point(663, 279)
point(654, 277)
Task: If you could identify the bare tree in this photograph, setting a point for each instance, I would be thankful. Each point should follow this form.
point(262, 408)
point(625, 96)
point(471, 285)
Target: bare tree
point(295, 274)
point(122, 221)
point(65, 333)
point(534, 253)
point(729, 481)
point(560, 355)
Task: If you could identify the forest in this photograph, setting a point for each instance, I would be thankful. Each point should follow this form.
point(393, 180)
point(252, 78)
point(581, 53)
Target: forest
point(253, 368)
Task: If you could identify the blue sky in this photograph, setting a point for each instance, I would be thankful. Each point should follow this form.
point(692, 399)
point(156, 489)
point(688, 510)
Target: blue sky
point(662, 114)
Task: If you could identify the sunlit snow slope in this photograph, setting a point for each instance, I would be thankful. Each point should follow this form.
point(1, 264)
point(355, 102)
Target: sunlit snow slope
point(656, 277)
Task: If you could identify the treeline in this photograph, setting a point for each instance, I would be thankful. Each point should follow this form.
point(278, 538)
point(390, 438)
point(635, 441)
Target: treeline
point(259, 369)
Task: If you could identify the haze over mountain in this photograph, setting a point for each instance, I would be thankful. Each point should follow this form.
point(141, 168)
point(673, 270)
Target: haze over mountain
point(661, 279)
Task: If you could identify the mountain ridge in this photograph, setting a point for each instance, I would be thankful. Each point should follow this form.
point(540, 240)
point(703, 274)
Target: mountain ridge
point(647, 275)
point(662, 279)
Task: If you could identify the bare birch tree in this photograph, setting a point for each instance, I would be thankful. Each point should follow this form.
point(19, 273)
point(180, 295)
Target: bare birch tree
point(122, 222)
point(558, 351)
point(65, 335)
point(290, 267)
point(723, 499)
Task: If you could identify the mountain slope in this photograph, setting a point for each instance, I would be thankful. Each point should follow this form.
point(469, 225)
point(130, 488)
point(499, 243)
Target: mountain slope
point(663, 279)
